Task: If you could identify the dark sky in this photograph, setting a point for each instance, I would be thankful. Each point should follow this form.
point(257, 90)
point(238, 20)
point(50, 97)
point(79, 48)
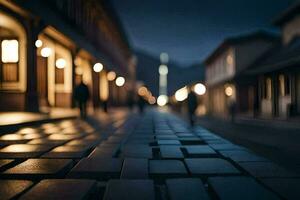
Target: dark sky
point(188, 30)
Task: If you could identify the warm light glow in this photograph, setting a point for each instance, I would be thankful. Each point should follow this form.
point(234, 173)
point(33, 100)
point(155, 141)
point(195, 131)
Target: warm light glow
point(103, 89)
point(152, 100)
point(229, 91)
point(78, 71)
point(98, 67)
point(111, 76)
point(60, 63)
point(46, 52)
point(162, 100)
point(229, 60)
point(38, 43)
point(120, 81)
point(10, 51)
point(164, 58)
point(142, 91)
point(199, 89)
point(181, 94)
point(163, 70)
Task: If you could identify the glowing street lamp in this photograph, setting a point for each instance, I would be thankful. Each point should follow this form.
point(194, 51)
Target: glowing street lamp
point(46, 52)
point(38, 43)
point(181, 94)
point(60, 63)
point(229, 91)
point(111, 76)
point(120, 81)
point(199, 89)
point(98, 67)
point(162, 100)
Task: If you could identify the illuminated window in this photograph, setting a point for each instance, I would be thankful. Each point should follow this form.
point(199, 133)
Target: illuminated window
point(9, 60)
point(268, 88)
point(10, 51)
point(284, 85)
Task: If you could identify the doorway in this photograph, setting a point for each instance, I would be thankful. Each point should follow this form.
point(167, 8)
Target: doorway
point(42, 81)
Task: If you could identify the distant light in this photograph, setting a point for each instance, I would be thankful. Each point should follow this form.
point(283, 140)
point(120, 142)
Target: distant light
point(199, 89)
point(78, 71)
point(162, 100)
point(152, 100)
point(142, 91)
point(181, 94)
point(229, 60)
point(38, 43)
point(46, 52)
point(163, 70)
point(164, 58)
point(60, 63)
point(98, 67)
point(228, 91)
point(120, 81)
point(10, 51)
point(111, 76)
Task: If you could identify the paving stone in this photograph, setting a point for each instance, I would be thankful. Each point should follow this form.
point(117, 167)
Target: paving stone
point(199, 150)
point(45, 141)
point(64, 137)
point(186, 188)
point(136, 151)
point(61, 189)
point(168, 142)
point(24, 150)
point(135, 168)
point(84, 142)
point(97, 168)
point(170, 151)
point(68, 152)
point(167, 137)
point(167, 168)
point(185, 135)
point(190, 141)
point(267, 169)
point(129, 190)
point(242, 156)
point(39, 168)
point(10, 189)
point(104, 152)
point(210, 166)
point(13, 139)
point(5, 162)
point(226, 146)
point(246, 188)
point(288, 188)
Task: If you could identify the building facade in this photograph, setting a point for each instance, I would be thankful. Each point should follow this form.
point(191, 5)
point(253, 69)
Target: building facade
point(278, 71)
point(227, 87)
point(48, 46)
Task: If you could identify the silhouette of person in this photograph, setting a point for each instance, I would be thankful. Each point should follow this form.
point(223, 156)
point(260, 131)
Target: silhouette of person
point(130, 100)
point(141, 104)
point(192, 105)
point(81, 95)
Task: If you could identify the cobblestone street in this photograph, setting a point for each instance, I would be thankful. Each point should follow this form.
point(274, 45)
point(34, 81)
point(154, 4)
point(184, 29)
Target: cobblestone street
point(130, 156)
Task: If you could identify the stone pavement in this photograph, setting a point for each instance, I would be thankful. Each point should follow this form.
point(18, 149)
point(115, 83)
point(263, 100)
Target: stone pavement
point(135, 157)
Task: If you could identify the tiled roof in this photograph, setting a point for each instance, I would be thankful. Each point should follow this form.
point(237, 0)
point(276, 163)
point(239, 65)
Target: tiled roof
point(280, 56)
point(231, 41)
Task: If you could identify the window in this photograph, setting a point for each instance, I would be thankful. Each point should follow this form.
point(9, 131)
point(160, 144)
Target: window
point(284, 85)
point(9, 62)
point(268, 88)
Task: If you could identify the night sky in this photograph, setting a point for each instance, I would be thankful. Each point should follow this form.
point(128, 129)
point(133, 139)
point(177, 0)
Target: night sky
point(190, 29)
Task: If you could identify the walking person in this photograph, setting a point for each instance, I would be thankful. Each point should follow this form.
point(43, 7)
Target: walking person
point(81, 96)
point(192, 105)
point(141, 104)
